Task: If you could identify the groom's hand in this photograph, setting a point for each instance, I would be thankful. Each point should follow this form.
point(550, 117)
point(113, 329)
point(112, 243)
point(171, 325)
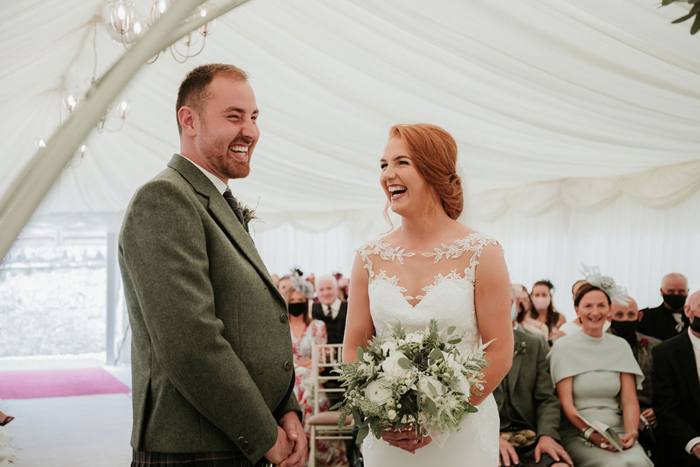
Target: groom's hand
point(295, 432)
point(282, 448)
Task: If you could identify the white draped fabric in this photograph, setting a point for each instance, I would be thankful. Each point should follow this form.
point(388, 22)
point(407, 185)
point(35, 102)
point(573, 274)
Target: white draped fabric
point(577, 123)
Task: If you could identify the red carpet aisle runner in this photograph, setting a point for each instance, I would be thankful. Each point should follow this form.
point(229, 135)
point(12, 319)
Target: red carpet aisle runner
point(59, 383)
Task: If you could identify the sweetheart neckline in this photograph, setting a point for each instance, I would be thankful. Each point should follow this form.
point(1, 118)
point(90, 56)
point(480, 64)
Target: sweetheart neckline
point(398, 288)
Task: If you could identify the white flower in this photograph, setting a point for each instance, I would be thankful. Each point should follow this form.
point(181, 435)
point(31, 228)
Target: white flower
point(392, 368)
point(378, 391)
point(391, 414)
point(388, 348)
point(367, 358)
point(425, 381)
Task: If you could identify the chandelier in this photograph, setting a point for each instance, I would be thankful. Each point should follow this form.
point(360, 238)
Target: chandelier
point(126, 26)
point(113, 118)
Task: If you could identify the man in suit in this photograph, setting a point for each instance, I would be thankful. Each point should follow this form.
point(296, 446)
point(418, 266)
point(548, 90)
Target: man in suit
point(624, 321)
point(330, 309)
point(212, 355)
point(667, 320)
point(676, 398)
point(527, 401)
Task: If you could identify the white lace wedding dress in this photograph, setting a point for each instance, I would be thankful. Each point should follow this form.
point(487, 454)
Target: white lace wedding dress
point(444, 280)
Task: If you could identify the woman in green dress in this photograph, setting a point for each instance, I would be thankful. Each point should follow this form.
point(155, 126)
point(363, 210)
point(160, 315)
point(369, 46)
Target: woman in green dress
point(596, 375)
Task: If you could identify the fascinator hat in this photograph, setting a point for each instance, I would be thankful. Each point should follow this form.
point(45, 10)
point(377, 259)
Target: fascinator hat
point(605, 283)
point(304, 287)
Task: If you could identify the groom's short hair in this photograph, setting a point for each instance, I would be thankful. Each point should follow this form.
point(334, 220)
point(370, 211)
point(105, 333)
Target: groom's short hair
point(193, 89)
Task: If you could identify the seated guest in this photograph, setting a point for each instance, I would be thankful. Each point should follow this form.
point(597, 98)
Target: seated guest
point(528, 408)
point(543, 308)
point(305, 333)
point(667, 320)
point(676, 397)
point(330, 309)
point(344, 285)
point(595, 375)
point(523, 305)
point(571, 327)
point(283, 284)
point(624, 320)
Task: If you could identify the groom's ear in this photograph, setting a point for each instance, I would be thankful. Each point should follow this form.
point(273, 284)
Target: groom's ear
point(187, 118)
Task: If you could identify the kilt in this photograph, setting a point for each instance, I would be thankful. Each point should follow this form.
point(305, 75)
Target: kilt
point(194, 459)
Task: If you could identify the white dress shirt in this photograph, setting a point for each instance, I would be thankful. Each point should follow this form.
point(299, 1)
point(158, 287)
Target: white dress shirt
point(335, 308)
point(696, 350)
point(220, 186)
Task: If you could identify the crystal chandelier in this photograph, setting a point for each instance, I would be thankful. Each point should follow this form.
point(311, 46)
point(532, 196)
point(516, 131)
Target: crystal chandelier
point(126, 26)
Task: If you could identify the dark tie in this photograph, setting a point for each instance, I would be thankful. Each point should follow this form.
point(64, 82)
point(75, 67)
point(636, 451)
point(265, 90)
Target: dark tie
point(329, 312)
point(231, 200)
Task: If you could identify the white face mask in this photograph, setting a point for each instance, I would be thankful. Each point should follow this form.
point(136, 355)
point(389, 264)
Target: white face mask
point(541, 303)
point(513, 312)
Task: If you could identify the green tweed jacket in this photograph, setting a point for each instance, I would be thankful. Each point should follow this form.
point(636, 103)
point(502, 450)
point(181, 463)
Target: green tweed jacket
point(212, 356)
point(526, 395)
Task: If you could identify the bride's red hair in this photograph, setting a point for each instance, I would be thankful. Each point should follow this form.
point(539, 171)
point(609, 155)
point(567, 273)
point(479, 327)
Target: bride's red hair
point(434, 153)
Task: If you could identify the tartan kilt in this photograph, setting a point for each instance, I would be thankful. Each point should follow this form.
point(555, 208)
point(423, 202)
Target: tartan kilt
point(194, 459)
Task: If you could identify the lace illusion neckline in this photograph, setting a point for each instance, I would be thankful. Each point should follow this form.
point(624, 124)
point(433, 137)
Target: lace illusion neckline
point(474, 242)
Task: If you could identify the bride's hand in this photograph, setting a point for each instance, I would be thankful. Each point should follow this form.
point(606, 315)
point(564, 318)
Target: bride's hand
point(407, 438)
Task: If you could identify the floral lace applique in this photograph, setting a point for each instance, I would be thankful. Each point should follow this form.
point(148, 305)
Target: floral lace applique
point(393, 281)
point(475, 242)
point(385, 251)
point(454, 275)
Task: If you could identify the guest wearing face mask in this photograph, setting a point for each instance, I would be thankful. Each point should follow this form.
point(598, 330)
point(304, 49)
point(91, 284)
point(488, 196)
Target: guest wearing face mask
point(523, 307)
point(305, 333)
point(624, 320)
point(543, 309)
point(527, 405)
point(667, 320)
point(676, 398)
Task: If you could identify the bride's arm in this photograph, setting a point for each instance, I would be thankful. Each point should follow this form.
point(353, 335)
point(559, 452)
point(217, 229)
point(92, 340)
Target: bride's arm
point(359, 327)
point(492, 301)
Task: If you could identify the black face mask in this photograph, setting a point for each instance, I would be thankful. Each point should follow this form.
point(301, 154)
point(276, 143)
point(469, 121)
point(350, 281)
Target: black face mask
point(298, 309)
point(626, 329)
point(695, 325)
point(674, 302)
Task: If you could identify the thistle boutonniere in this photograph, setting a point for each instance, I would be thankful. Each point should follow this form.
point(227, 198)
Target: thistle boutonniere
point(644, 342)
point(520, 348)
point(248, 214)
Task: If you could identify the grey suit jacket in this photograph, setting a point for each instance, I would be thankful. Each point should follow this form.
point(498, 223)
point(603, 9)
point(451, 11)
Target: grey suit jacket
point(526, 395)
point(211, 351)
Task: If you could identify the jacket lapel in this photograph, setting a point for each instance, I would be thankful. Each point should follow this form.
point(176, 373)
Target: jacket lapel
point(221, 211)
point(688, 366)
point(514, 373)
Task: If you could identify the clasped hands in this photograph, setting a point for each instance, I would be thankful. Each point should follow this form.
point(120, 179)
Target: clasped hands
point(290, 448)
point(600, 441)
point(407, 438)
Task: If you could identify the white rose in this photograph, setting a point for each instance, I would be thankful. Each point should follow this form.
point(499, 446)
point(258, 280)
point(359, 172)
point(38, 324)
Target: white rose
point(391, 414)
point(378, 391)
point(392, 368)
point(388, 348)
point(423, 386)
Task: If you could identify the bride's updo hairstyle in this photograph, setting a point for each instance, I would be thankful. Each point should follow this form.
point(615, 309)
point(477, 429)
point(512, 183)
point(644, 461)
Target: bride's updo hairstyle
point(434, 153)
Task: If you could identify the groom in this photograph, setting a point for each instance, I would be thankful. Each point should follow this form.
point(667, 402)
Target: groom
point(212, 356)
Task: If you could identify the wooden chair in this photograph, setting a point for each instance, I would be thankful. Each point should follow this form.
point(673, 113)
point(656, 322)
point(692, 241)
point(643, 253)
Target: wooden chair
point(324, 425)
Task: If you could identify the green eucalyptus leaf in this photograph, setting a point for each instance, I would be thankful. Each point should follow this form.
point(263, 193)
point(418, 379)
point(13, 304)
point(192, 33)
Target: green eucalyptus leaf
point(405, 363)
point(433, 391)
point(360, 353)
point(451, 329)
point(362, 434)
point(696, 24)
point(431, 407)
point(341, 421)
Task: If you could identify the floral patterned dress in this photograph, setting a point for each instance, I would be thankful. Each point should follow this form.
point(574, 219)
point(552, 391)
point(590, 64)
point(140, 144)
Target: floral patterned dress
point(327, 452)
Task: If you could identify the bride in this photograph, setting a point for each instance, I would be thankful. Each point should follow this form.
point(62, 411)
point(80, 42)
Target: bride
point(432, 267)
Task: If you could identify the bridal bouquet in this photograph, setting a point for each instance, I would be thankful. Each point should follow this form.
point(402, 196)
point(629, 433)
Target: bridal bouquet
point(418, 378)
